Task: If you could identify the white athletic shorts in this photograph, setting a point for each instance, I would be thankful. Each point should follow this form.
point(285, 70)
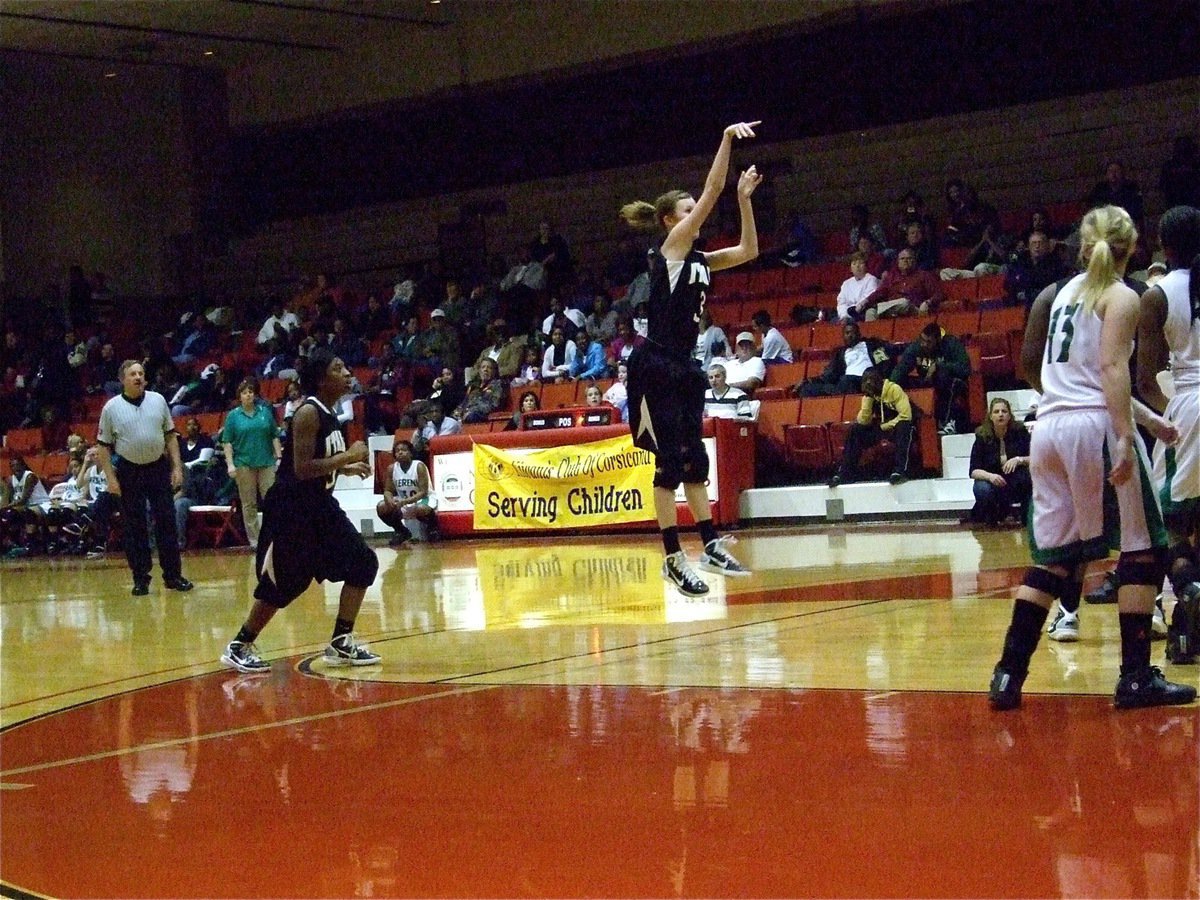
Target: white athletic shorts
point(1077, 515)
point(1177, 469)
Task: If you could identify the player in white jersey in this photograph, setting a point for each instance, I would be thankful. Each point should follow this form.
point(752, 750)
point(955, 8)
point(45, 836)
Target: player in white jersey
point(1091, 487)
point(407, 494)
point(1169, 335)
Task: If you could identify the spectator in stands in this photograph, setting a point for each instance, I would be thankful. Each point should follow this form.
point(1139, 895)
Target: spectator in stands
point(439, 347)
point(775, 349)
point(641, 318)
point(549, 248)
point(194, 443)
point(967, 216)
point(250, 439)
point(617, 394)
point(745, 370)
point(799, 243)
point(602, 323)
point(562, 317)
point(999, 467)
point(591, 362)
point(1117, 190)
point(374, 320)
point(200, 341)
point(531, 366)
point(862, 226)
point(485, 392)
point(593, 396)
point(711, 342)
point(432, 422)
point(885, 414)
point(991, 254)
point(843, 374)
point(877, 260)
point(1179, 177)
point(524, 281)
point(506, 348)
point(904, 290)
point(408, 344)
point(938, 360)
point(55, 382)
point(721, 401)
point(279, 326)
point(628, 340)
point(346, 345)
point(166, 380)
point(920, 242)
point(209, 393)
point(293, 397)
point(912, 209)
point(1039, 220)
point(558, 358)
point(1032, 269)
point(529, 402)
point(102, 374)
point(856, 289)
point(55, 431)
point(279, 361)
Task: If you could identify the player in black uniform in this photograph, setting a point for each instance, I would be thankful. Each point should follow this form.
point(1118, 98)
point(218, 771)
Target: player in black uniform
point(305, 533)
point(666, 387)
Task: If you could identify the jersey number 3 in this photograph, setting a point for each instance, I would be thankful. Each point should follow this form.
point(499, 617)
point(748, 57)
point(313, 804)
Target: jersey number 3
point(1062, 330)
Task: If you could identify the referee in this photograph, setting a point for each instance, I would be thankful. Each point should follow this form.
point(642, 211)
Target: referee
point(136, 426)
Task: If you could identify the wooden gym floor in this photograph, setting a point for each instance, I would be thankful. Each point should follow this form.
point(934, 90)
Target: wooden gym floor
point(551, 720)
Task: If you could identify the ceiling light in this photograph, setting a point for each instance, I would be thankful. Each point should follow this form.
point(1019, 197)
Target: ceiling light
point(208, 53)
point(110, 74)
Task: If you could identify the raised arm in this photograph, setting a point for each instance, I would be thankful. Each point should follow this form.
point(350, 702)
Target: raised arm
point(685, 232)
point(747, 248)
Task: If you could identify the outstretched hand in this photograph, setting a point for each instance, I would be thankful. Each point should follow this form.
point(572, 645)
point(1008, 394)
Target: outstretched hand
point(748, 181)
point(742, 129)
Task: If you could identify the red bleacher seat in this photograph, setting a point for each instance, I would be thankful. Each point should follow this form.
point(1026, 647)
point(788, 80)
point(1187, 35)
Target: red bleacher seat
point(820, 410)
point(1004, 318)
point(23, 440)
point(784, 375)
point(959, 324)
point(806, 448)
point(991, 287)
point(964, 289)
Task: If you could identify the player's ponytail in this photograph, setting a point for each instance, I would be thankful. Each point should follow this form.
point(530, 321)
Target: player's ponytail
point(1179, 232)
point(1107, 238)
point(643, 216)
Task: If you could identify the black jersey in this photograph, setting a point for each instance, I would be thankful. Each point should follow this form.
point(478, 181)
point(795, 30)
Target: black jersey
point(329, 442)
point(676, 302)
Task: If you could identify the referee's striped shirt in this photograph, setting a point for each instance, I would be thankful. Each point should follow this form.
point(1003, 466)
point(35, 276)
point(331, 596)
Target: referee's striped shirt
point(136, 431)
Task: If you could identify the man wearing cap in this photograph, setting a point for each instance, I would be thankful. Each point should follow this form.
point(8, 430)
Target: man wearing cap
point(136, 427)
point(744, 370)
point(441, 342)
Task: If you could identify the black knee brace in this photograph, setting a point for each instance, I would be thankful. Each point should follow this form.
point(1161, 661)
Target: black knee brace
point(1045, 581)
point(1136, 568)
point(668, 473)
point(695, 465)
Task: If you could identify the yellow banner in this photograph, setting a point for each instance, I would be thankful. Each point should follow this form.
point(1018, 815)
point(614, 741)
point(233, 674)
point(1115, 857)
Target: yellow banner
point(599, 483)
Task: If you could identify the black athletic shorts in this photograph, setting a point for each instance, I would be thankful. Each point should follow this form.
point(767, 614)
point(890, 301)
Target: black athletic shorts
point(306, 537)
point(672, 421)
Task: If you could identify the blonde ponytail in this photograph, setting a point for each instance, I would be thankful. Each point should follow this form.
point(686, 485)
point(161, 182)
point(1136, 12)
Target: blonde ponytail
point(1108, 237)
point(640, 216)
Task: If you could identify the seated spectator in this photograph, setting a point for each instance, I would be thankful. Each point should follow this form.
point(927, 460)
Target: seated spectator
point(590, 358)
point(558, 358)
point(531, 367)
point(439, 346)
point(374, 320)
point(432, 422)
point(711, 342)
point(992, 253)
point(551, 250)
point(529, 402)
point(1032, 269)
point(200, 341)
point(407, 495)
point(722, 401)
point(194, 443)
point(293, 398)
point(525, 280)
point(346, 345)
point(856, 289)
point(617, 394)
point(861, 226)
point(212, 392)
point(918, 240)
point(1117, 190)
point(843, 374)
point(938, 360)
point(967, 216)
point(877, 260)
point(55, 430)
point(885, 414)
point(569, 320)
point(280, 361)
point(506, 348)
point(641, 318)
point(592, 396)
point(1039, 220)
point(1000, 468)
point(912, 209)
point(744, 371)
point(628, 340)
point(775, 349)
point(484, 394)
point(102, 373)
point(380, 415)
point(279, 326)
point(602, 323)
point(799, 245)
point(904, 291)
